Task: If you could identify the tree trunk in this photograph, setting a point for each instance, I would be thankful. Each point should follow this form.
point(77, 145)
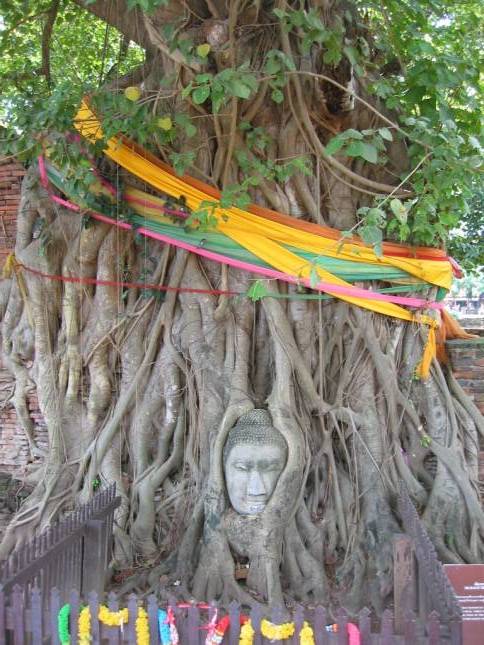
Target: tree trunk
point(144, 392)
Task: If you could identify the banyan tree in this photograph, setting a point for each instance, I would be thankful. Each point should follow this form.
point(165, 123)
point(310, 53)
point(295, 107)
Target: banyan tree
point(202, 299)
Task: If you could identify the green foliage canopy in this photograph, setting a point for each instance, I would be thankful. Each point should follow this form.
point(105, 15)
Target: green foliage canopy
point(419, 61)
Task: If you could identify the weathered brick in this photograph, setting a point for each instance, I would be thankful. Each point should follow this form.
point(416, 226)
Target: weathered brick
point(461, 374)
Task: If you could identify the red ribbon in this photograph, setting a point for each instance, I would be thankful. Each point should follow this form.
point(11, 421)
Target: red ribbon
point(129, 285)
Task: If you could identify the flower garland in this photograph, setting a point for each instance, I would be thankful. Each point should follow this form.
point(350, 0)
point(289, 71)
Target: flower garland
point(142, 627)
point(217, 631)
point(112, 619)
point(247, 632)
point(167, 628)
point(63, 624)
point(306, 635)
point(276, 632)
point(84, 626)
point(169, 634)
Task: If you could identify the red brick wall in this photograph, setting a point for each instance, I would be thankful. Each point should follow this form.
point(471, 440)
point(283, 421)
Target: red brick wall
point(467, 362)
point(14, 447)
point(14, 452)
point(11, 174)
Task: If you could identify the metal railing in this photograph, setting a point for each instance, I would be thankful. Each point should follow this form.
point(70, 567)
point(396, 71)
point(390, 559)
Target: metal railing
point(420, 582)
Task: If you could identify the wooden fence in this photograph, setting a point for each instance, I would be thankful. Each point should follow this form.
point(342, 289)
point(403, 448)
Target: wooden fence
point(34, 621)
point(73, 553)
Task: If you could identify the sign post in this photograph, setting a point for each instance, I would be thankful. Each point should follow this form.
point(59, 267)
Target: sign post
point(468, 583)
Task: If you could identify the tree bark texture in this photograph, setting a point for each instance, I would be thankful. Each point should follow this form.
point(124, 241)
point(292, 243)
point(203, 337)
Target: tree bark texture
point(142, 391)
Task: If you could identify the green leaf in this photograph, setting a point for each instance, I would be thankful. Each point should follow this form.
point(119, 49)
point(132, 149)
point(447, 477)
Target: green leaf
point(239, 89)
point(280, 13)
point(370, 234)
point(203, 78)
point(272, 65)
point(190, 130)
point(362, 149)
point(355, 149)
point(313, 278)
point(475, 143)
point(165, 123)
point(257, 291)
point(335, 144)
point(187, 90)
point(201, 94)
point(375, 216)
point(351, 134)
point(399, 210)
point(425, 440)
point(203, 50)
point(385, 133)
point(287, 60)
point(277, 96)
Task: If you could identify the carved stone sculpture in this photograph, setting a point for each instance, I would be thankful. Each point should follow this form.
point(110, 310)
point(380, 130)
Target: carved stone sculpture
point(255, 454)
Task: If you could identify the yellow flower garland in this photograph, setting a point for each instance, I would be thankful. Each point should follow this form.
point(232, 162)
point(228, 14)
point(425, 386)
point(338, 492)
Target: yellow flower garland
point(142, 627)
point(84, 626)
point(246, 634)
point(306, 635)
point(276, 632)
point(113, 619)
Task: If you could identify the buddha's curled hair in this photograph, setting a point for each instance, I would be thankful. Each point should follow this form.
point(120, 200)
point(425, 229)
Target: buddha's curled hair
point(254, 427)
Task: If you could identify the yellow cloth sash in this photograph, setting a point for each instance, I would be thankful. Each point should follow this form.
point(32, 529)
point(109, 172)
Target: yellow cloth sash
point(264, 238)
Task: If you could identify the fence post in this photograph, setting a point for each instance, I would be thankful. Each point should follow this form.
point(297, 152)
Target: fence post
point(95, 557)
point(455, 628)
point(74, 601)
point(54, 608)
point(321, 636)
point(36, 615)
point(112, 633)
point(3, 626)
point(410, 629)
point(299, 616)
point(234, 612)
point(433, 627)
point(342, 620)
point(18, 615)
point(152, 609)
point(386, 631)
point(255, 619)
point(404, 580)
point(364, 625)
point(93, 601)
point(132, 616)
point(193, 625)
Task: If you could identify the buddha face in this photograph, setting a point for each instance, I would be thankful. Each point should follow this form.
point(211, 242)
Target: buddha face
point(251, 474)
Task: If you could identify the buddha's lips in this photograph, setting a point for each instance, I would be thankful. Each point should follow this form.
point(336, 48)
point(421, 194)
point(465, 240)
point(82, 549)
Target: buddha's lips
point(256, 502)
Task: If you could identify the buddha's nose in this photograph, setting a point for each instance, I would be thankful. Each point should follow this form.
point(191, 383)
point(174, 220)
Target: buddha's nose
point(256, 486)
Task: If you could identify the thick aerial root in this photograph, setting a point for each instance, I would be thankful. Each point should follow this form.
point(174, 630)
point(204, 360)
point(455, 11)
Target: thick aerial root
point(144, 392)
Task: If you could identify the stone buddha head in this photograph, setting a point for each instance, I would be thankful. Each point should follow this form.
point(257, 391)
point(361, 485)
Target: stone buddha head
point(254, 456)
